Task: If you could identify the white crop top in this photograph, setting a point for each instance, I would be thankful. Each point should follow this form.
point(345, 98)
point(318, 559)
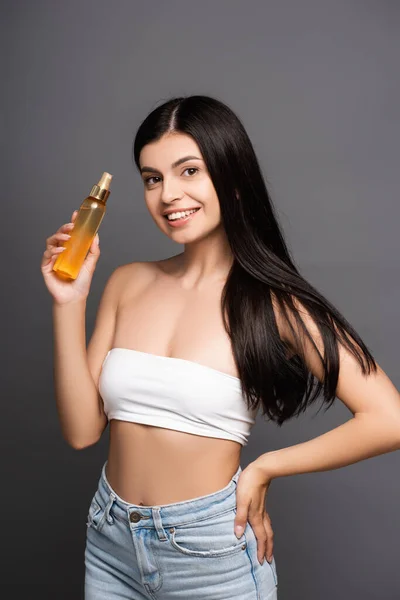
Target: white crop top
point(174, 393)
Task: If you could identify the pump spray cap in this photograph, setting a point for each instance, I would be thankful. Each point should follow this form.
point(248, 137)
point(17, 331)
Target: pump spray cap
point(101, 190)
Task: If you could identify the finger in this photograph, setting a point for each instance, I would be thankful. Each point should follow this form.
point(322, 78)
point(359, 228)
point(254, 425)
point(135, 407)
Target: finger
point(269, 547)
point(261, 536)
point(74, 215)
point(58, 237)
point(51, 250)
point(51, 253)
point(63, 234)
point(56, 240)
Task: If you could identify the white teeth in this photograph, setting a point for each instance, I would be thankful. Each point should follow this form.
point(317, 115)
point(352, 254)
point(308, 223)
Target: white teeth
point(178, 215)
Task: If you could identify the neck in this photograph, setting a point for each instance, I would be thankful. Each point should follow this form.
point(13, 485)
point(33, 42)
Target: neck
point(205, 262)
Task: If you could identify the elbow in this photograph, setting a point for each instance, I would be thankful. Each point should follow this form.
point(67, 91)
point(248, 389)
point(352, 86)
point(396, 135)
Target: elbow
point(81, 446)
point(396, 444)
point(394, 429)
point(393, 432)
point(384, 428)
point(73, 443)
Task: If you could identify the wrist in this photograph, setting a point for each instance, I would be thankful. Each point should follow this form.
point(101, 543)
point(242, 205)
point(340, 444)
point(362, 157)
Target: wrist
point(265, 466)
point(78, 304)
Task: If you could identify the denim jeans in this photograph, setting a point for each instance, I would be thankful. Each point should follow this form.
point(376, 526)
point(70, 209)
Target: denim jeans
point(172, 551)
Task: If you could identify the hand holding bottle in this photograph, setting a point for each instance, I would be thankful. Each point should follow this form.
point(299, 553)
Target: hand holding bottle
point(62, 289)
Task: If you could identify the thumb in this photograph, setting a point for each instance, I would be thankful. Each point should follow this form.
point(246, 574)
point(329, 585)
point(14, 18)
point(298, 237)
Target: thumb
point(240, 521)
point(94, 252)
point(95, 245)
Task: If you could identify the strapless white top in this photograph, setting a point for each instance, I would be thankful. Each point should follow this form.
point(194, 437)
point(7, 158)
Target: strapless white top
point(174, 393)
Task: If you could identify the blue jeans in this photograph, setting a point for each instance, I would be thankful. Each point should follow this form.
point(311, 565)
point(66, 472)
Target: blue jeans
point(173, 551)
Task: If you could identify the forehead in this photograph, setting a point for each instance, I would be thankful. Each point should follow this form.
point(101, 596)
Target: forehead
point(167, 149)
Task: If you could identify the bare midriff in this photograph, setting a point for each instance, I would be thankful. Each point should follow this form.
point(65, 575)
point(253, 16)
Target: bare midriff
point(150, 465)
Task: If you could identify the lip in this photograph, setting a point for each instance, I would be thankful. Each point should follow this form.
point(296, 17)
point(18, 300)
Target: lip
point(182, 222)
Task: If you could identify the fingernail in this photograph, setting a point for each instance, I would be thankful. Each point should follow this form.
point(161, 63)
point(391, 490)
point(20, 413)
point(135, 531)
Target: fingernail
point(239, 531)
point(262, 560)
point(270, 559)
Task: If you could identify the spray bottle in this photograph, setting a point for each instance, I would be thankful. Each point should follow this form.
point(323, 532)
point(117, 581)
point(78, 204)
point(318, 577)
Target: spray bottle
point(87, 222)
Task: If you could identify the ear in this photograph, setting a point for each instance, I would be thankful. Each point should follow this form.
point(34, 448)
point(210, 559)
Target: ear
point(237, 194)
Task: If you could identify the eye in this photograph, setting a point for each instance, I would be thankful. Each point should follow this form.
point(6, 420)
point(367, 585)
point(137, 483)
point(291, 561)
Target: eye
point(191, 169)
point(147, 179)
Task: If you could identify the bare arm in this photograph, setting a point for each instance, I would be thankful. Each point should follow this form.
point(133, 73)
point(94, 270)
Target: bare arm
point(374, 429)
point(77, 368)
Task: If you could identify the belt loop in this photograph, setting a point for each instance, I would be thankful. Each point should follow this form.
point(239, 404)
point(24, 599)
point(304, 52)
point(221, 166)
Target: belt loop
point(110, 518)
point(158, 523)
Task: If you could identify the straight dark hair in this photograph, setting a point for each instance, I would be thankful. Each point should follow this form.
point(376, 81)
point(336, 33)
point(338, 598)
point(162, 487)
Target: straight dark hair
point(262, 268)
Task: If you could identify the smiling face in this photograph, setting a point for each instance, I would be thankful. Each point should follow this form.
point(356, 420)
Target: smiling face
point(174, 184)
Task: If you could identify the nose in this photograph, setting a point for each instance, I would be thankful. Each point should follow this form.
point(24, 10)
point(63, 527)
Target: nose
point(170, 190)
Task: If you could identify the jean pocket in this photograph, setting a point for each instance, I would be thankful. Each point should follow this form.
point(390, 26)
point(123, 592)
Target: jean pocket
point(96, 513)
point(253, 551)
point(273, 569)
point(208, 537)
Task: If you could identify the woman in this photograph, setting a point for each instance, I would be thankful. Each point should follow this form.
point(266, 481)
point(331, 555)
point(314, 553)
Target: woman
point(184, 352)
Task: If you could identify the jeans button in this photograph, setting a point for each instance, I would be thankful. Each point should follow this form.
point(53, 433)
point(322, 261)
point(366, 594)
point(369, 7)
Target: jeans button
point(135, 517)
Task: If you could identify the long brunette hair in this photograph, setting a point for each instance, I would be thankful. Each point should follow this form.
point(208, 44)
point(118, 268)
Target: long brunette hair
point(262, 268)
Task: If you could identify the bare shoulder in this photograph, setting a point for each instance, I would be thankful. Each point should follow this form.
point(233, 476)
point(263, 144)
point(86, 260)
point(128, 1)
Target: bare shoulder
point(151, 268)
point(134, 270)
point(133, 277)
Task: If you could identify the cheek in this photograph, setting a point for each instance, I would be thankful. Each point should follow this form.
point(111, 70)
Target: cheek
point(209, 199)
point(215, 207)
point(152, 205)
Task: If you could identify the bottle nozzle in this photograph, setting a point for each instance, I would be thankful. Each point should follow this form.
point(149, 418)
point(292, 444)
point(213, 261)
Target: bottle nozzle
point(105, 181)
point(101, 190)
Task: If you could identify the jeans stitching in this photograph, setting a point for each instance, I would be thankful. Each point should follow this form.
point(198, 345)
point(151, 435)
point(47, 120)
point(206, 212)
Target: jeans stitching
point(223, 552)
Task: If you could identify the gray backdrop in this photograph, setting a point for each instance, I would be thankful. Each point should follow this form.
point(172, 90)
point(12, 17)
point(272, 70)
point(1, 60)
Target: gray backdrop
point(317, 86)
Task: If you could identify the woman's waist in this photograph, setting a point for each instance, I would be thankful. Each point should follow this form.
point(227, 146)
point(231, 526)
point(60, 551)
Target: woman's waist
point(150, 465)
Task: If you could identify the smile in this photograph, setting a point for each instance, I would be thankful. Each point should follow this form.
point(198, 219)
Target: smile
point(182, 221)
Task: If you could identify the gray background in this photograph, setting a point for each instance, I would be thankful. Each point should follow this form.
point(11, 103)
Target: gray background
point(316, 84)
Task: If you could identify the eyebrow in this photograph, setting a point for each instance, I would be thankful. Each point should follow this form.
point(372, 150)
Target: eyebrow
point(175, 164)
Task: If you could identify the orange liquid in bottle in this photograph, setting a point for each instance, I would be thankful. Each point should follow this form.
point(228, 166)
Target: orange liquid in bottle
point(87, 222)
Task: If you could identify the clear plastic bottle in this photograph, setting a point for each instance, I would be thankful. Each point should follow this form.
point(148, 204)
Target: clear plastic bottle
point(86, 224)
